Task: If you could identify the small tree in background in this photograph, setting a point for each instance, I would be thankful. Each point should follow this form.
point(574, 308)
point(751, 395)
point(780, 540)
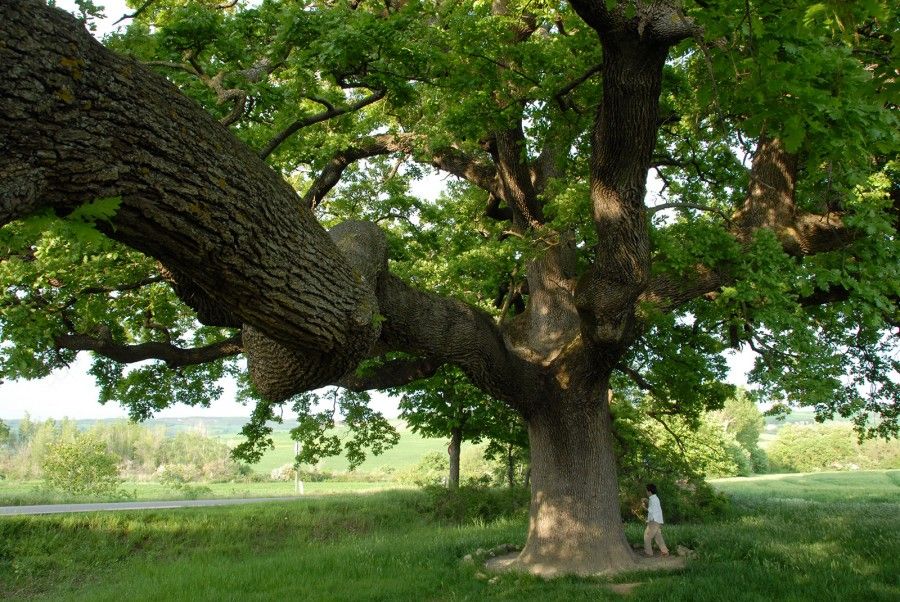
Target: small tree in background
point(447, 404)
point(741, 419)
point(509, 444)
point(81, 466)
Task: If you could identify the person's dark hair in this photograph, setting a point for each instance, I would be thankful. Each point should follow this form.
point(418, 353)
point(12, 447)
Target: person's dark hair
point(651, 488)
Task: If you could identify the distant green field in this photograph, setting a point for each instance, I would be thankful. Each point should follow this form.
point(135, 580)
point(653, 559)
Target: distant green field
point(876, 486)
point(408, 451)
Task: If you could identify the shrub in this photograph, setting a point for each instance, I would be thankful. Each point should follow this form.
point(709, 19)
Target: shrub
point(179, 478)
point(474, 503)
point(683, 499)
point(177, 475)
point(285, 472)
point(433, 469)
point(81, 466)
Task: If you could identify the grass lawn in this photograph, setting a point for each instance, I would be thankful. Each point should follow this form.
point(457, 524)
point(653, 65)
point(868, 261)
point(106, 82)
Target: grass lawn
point(793, 538)
point(877, 486)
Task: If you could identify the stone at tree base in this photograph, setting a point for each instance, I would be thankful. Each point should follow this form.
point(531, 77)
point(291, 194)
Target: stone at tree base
point(509, 562)
point(684, 551)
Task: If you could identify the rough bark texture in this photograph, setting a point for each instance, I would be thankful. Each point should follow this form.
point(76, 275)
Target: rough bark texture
point(79, 123)
point(575, 524)
point(623, 139)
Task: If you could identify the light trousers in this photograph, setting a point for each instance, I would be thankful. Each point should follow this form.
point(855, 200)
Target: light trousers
point(654, 532)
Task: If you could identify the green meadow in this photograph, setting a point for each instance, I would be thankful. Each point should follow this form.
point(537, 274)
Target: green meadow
point(826, 536)
point(408, 451)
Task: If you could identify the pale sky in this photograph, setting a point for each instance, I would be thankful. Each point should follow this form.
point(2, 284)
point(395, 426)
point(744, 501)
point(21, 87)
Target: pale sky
point(72, 393)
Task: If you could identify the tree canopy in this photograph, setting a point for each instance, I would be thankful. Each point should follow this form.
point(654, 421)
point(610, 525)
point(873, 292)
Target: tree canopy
point(543, 270)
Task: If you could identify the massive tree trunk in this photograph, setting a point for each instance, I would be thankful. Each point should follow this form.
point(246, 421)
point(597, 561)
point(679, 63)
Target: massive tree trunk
point(575, 525)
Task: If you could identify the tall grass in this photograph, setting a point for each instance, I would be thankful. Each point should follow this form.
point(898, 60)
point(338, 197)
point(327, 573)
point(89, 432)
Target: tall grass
point(774, 544)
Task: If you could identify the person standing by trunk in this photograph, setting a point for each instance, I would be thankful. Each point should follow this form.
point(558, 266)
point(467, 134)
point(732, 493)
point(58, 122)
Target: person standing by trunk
point(654, 523)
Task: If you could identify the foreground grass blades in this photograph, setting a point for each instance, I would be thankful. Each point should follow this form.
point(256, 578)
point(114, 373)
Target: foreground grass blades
point(810, 537)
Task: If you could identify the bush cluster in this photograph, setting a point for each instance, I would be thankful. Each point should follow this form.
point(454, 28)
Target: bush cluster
point(133, 450)
point(474, 503)
point(809, 448)
point(81, 466)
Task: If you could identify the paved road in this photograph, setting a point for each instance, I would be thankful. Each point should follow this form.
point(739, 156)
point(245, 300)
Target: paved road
point(64, 508)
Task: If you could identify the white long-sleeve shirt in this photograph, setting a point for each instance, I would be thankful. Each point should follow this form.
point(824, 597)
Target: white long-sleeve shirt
point(654, 510)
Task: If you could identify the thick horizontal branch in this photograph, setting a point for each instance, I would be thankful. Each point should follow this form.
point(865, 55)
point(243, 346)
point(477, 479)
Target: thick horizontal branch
point(443, 330)
point(462, 165)
point(661, 21)
point(454, 332)
point(668, 292)
point(769, 204)
point(79, 123)
point(822, 296)
point(837, 293)
point(172, 355)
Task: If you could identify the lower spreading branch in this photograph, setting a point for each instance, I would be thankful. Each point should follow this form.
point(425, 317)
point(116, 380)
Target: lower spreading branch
point(172, 355)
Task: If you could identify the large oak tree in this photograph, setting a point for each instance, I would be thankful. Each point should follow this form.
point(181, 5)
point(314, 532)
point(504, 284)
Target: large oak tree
point(771, 127)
